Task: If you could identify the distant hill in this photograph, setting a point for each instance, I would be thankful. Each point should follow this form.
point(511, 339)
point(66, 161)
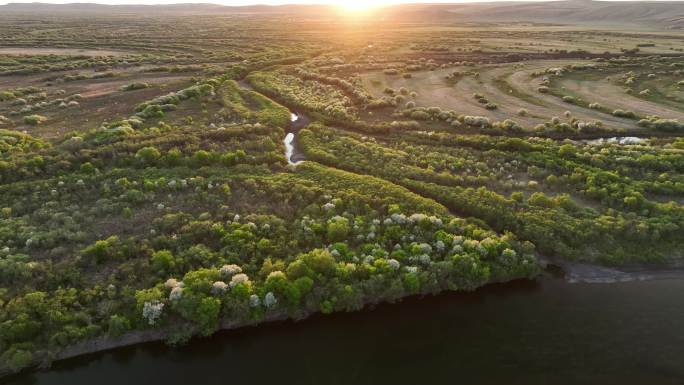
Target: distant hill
point(665, 14)
point(90, 8)
point(183, 8)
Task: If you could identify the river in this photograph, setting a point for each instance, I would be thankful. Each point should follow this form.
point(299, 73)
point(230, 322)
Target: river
point(546, 331)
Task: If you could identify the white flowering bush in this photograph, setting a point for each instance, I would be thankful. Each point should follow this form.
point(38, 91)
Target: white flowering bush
point(424, 259)
point(219, 287)
point(176, 293)
point(435, 221)
point(275, 275)
point(417, 218)
point(270, 300)
point(228, 271)
point(152, 311)
point(399, 218)
point(238, 279)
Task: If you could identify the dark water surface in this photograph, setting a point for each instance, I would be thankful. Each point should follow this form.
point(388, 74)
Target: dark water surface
point(543, 332)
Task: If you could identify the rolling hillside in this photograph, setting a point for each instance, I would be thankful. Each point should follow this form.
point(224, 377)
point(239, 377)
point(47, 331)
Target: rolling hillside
point(666, 14)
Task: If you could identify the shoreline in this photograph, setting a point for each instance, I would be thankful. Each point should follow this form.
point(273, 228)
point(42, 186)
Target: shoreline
point(143, 336)
point(576, 272)
point(136, 337)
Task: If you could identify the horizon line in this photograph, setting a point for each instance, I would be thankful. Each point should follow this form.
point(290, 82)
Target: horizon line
point(278, 3)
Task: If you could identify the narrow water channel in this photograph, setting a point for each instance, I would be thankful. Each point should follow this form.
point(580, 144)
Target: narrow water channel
point(298, 120)
point(289, 143)
point(623, 140)
point(547, 331)
point(293, 152)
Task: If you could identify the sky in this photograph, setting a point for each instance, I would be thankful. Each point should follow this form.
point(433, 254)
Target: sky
point(250, 2)
point(243, 2)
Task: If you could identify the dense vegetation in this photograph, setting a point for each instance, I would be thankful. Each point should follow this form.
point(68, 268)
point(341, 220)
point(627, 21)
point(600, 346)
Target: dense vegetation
point(144, 187)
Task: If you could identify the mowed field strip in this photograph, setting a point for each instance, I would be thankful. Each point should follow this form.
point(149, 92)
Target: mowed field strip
point(433, 89)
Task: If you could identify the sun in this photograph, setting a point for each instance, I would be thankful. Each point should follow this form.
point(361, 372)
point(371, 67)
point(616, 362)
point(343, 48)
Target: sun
point(358, 6)
point(354, 5)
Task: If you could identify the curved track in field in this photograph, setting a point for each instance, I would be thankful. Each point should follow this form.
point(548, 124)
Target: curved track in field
point(614, 97)
point(512, 88)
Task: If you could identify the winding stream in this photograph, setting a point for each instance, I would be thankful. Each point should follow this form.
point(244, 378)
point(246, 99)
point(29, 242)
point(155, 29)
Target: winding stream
point(293, 153)
point(623, 140)
point(298, 120)
point(546, 331)
point(289, 141)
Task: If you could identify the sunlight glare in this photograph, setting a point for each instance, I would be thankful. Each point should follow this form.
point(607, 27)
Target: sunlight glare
point(359, 6)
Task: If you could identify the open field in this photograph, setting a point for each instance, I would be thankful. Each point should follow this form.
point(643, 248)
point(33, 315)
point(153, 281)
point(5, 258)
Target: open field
point(144, 184)
point(28, 51)
point(509, 86)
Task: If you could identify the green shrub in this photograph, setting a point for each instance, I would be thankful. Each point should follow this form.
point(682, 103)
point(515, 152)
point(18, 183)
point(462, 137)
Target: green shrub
point(569, 99)
point(148, 155)
point(135, 86)
point(624, 114)
point(34, 119)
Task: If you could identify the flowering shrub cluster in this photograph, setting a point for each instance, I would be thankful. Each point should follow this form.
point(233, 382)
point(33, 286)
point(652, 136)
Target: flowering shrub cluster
point(490, 177)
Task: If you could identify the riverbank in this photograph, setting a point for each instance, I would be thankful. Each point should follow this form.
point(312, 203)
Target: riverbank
point(533, 332)
point(567, 271)
point(106, 343)
point(143, 336)
point(574, 272)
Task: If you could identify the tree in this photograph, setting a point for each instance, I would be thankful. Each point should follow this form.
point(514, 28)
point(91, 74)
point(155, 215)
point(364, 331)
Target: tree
point(102, 250)
point(208, 315)
point(338, 229)
point(118, 325)
point(326, 307)
point(163, 262)
point(202, 280)
point(567, 150)
point(411, 283)
point(320, 261)
point(201, 158)
point(541, 200)
point(17, 357)
point(148, 155)
point(88, 168)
